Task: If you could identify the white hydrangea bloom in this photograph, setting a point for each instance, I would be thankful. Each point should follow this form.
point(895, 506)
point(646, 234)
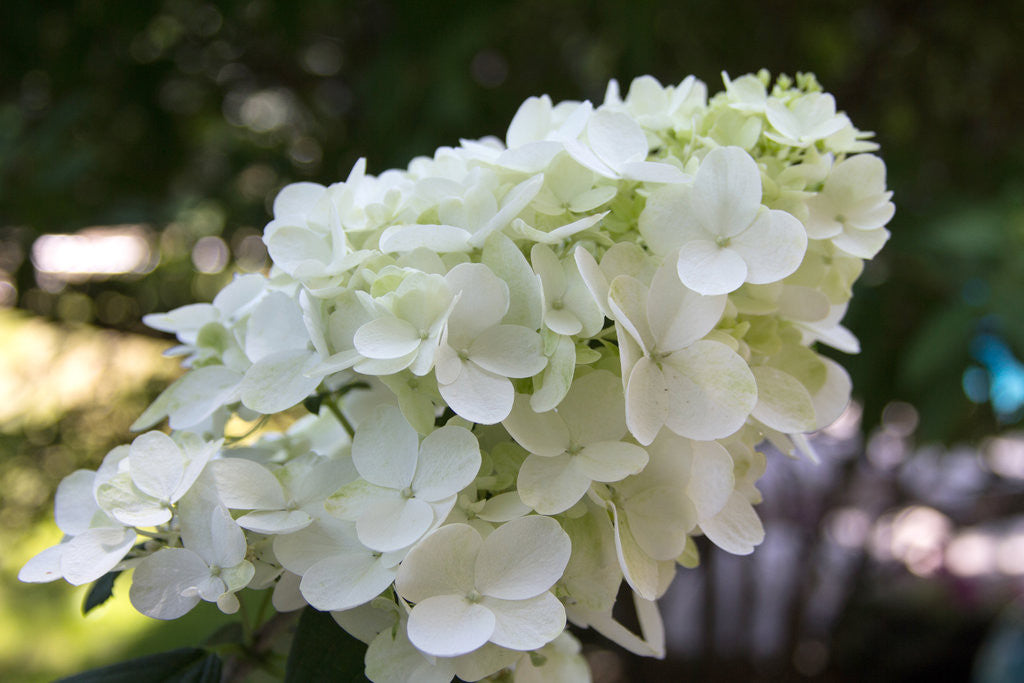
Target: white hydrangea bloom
point(470, 590)
point(853, 207)
point(577, 443)
point(697, 387)
point(211, 566)
point(405, 486)
point(722, 233)
point(600, 317)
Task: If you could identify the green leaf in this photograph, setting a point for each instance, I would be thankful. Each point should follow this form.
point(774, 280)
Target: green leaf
point(186, 665)
point(100, 592)
point(323, 651)
point(228, 634)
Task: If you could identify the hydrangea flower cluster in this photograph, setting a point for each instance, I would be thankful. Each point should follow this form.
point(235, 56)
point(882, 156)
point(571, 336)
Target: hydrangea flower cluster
point(535, 368)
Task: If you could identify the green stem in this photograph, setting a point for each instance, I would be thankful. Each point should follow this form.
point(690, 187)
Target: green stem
point(259, 423)
point(336, 411)
point(264, 603)
point(247, 629)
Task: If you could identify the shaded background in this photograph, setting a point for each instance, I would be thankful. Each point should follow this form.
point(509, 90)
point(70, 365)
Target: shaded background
point(170, 126)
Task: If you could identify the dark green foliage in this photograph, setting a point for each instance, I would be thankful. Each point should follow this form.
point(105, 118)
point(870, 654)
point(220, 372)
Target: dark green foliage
point(322, 651)
point(186, 665)
point(100, 592)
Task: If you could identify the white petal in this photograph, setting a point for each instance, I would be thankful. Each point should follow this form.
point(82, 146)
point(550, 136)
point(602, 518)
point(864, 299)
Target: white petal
point(531, 122)
point(448, 462)
point(275, 522)
point(449, 625)
point(125, 503)
point(709, 269)
point(227, 540)
point(726, 192)
point(616, 138)
point(611, 460)
point(773, 246)
point(551, 387)
point(712, 391)
point(526, 624)
point(652, 172)
point(300, 550)
point(627, 302)
point(862, 243)
point(737, 528)
point(43, 567)
point(192, 398)
point(157, 464)
point(92, 554)
point(549, 270)
point(392, 658)
point(678, 315)
point(593, 278)
point(512, 204)
point(594, 409)
point(711, 478)
point(639, 570)
point(805, 304)
point(345, 581)
point(366, 621)
point(659, 519)
point(74, 504)
point(541, 433)
point(522, 558)
point(385, 448)
point(393, 524)
point(483, 301)
point(278, 382)
point(351, 500)
point(297, 250)
point(647, 401)
point(386, 337)
point(184, 318)
point(298, 199)
point(505, 260)
point(286, 596)
point(447, 364)
point(478, 395)
point(164, 584)
point(503, 507)
point(783, 403)
point(247, 485)
point(551, 485)
point(509, 351)
point(437, 238)
point(834, 395)
point(592, 199)
point(275, 325)
point(530, 158)
point(668, 220)
point(651, 624)
point(442, 563)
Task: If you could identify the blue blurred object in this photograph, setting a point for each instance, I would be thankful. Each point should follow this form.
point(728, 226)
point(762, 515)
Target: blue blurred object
point(1005, 377)
point(1001, 658)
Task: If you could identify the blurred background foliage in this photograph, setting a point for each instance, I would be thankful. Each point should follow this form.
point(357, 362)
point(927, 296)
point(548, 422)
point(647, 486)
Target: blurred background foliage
point(173, 123)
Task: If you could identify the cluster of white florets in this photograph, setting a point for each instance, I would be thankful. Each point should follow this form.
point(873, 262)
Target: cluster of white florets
point(536, 368)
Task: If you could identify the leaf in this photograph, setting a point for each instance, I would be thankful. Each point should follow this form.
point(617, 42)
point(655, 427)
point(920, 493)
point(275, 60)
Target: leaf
point(100, 592)
point(323, 651)
point(185, 665)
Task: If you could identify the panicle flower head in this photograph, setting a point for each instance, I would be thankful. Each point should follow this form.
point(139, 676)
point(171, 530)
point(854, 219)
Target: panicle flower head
point(535, 368)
